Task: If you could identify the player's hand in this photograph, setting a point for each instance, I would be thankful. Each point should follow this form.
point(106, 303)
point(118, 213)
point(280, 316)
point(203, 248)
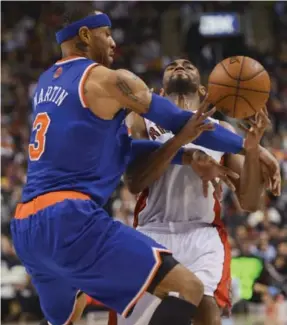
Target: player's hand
point(197, 124)
point(209, 170)
point(258, 125)
point(270, 171)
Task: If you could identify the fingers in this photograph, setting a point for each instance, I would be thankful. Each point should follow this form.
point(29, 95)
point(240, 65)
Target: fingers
point(228, 172)
point(217, 189)
point(222, 170)
point(206, 127)
point(242, 127)
point(202, 117)
point(208, 114)
point(204, 106)
point(205, 188)
point(253, 123)
point(228, 182)
point(272, 179)
point(276, 186)
point(200, 157)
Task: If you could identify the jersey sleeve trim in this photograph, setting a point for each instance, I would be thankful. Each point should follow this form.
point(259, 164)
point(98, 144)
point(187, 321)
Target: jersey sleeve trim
point(82, 84)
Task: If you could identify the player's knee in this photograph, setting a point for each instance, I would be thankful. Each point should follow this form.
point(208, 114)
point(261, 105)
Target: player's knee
point(208, 312)
point(192, 288)
point(173, 310)
point(174, 277)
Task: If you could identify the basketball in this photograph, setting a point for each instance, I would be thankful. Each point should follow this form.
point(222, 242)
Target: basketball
point(239, 87)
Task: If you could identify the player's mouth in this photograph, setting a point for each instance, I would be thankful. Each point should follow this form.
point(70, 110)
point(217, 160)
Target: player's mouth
point(179, 73)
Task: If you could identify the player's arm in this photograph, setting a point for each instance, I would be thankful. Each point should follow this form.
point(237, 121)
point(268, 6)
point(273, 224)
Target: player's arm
point(249, 187)
point(270, 171)
point(108, 90)
point(149, 160)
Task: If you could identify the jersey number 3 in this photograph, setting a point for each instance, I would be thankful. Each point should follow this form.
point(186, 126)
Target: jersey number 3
point(41, 125)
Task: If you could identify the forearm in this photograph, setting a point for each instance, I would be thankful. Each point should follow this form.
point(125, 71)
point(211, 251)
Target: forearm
point(149, 160)
point(169, 116)
point(251, 182)
point(133, 93)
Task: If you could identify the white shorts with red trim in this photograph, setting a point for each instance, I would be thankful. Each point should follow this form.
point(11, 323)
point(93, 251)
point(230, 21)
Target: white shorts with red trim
point(204, 251)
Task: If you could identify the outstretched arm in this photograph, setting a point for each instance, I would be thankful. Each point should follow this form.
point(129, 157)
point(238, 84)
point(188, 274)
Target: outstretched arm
point(250, 185)
point(108, 90)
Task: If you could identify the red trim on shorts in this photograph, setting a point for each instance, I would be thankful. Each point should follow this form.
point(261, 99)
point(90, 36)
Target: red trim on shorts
point(113, 318)
point(140, 205)
point(222, 292)
point(92, 301)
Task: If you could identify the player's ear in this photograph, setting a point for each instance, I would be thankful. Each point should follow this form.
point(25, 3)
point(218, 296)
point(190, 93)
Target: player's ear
point(202, 91)
point(85, 35)
point(162, 92)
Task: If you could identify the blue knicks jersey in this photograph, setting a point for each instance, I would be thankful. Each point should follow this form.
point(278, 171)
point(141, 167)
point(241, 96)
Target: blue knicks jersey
point(70, 148)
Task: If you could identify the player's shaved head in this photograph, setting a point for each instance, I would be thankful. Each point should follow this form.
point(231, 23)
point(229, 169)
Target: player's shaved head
point(181, 77)
point(93, 39)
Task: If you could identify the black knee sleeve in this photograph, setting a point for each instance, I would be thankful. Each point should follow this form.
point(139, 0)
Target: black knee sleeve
point(173, 311)
point(168, 263)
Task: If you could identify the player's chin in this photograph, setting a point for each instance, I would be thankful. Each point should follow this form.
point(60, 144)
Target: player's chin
point(109, 60)
point(180, 76)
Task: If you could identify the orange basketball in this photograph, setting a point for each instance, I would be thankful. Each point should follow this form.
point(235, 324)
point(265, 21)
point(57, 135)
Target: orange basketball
point(239, 86)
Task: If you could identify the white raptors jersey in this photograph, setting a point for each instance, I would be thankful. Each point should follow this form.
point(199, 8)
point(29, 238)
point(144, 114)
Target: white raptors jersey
point(177, 197)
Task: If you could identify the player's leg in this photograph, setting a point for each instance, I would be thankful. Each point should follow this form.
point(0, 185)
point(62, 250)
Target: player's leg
point(78, 309)
point(115, 265)
point(205, 252)
point(61, 302)
point(208, 312)
point(179, 309)
point(215, 275)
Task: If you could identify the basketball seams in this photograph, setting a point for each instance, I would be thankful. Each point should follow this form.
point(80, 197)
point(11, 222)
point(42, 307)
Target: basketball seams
point(224, 97)
point(227, 72)
point(240, 96)
point(255, 75)
point(248, 102)
point(240, 88)
point(238, 84)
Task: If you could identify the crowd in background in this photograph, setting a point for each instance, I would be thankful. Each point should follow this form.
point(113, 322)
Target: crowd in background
point(28, 47)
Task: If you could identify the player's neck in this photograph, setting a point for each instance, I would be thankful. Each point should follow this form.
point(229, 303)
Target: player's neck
point(69, 50)
point(189, 102)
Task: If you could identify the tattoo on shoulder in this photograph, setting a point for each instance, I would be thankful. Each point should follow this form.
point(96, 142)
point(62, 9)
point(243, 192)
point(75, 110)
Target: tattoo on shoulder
point(126, 90)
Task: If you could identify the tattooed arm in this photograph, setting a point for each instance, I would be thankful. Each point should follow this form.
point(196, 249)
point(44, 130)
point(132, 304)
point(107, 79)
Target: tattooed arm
point(106, 91)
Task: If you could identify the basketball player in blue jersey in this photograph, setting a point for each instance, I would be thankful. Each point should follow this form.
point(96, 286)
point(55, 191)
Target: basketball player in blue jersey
point(78, 150)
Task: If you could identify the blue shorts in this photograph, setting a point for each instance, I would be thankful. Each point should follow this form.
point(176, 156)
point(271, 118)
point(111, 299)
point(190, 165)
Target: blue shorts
point(73, 246)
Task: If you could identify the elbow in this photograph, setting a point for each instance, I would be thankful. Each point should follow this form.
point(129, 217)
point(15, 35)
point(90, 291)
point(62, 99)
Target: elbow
point(133, 186)
point(134, 189)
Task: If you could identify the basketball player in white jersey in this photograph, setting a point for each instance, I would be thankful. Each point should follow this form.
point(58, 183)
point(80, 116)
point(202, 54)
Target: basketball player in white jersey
point(179, 210)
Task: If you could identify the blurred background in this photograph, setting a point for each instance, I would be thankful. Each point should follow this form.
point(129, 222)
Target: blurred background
point(149, 35)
